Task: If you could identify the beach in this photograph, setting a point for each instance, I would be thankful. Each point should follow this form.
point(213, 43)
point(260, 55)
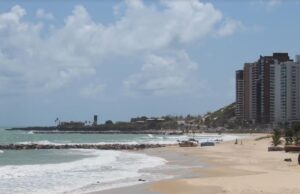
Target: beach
point(25, 167)
point(243, 168)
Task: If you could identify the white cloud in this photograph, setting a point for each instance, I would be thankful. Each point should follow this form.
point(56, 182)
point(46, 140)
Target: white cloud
point(229, 27)
point(12, 19)
point(161, 75)
point(135, 4)
point(33, 62)
point(274, 3)
point(92, 90)
point(40, 13)
point(267, 4)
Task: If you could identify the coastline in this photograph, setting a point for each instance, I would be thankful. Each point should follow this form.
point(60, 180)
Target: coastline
point(245, 168)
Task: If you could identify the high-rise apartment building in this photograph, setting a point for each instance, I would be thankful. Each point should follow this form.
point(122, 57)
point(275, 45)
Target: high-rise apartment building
point(285, 92)
point(239, 94)
point(264, 66)
point(270, 91)
point(251, 90)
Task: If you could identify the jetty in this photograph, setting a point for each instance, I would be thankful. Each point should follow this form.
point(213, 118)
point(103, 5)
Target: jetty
point(80, 146)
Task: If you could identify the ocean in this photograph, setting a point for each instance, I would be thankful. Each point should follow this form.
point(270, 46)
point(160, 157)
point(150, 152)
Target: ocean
point(77, 170)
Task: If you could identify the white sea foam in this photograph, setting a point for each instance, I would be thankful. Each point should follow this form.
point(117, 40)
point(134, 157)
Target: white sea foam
point(150, 135)
point(231, 137)
point(110, 168)
point(42, 142)
point(151, 139)
point(1, 151)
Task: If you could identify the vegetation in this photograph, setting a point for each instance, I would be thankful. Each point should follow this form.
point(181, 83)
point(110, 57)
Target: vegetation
point(276, 138)
point(224, 117)
point(289, 135)
point(108, 122)
point(292, 135)
point(296, 129)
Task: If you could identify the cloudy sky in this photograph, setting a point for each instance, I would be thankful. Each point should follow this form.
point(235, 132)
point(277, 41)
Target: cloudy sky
point(121, 59)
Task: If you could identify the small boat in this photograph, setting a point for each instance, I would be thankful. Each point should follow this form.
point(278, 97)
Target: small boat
point(218, 140)
point(189, 143)
point(208, 143)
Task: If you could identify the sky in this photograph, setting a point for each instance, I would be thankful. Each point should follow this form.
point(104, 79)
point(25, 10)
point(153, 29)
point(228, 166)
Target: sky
point(121, 59)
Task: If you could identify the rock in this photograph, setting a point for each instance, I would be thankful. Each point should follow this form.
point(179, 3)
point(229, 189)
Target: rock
point(292, 148)
point(288, 159)
point(204, 144)
point(275, 148)
point(79, 146)
point(142, 180)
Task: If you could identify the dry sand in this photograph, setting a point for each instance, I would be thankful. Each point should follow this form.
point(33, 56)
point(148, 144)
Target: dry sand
point(246, 168)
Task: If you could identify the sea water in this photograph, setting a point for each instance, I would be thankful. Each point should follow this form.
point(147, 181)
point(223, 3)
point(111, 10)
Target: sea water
point(77, 170)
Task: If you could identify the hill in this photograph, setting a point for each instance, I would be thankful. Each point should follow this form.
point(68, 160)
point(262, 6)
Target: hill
point(224, 117)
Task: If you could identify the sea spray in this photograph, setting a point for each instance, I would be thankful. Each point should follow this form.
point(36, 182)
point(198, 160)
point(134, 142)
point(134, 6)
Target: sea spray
point(108, 168)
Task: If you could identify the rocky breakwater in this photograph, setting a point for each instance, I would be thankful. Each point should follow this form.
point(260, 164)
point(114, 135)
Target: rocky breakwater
point(80, 146)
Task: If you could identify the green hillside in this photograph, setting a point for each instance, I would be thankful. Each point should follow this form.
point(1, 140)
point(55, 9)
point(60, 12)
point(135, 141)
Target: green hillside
point(224, 117)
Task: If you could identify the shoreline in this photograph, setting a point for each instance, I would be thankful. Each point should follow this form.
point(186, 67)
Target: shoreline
point(245, 168)
point(176, 167)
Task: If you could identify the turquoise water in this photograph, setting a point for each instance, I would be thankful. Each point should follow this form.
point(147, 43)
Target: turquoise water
point(73, 171)
point(7, 137)
point(29, 157)
point(78, 171)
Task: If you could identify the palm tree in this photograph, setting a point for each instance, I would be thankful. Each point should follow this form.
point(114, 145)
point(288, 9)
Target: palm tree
point(56, 121)
point(289, 133)
point(296, 129)
point(276, 138)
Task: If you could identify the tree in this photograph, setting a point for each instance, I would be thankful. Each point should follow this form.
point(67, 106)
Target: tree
point(289, 134)
point(296, 129)
point(56, 121)
point(276, 137)
point(109, 122)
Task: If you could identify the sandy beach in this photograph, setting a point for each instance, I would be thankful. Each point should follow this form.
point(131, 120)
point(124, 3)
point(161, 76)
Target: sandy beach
point(245, 168)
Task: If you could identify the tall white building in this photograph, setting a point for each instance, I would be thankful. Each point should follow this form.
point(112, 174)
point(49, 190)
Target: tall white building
point(285, 91)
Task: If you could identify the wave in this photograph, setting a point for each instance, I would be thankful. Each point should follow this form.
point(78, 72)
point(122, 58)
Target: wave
point(46, 142)
point(102, 169)
point(42, 142)
point(1, 151)
point(148, 139)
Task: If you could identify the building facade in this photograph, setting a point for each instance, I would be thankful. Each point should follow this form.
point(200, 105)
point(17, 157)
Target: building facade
point(239, 94)
point(251, 83)
point(271, 90)
point(285, 92)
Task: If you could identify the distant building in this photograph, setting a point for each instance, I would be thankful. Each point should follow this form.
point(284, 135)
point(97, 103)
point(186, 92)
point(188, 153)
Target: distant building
point(239, 94)
point(285, 92)
point(264, 65)
point(181, 122)
point(95, 120)
point(71, 125)
point(267, 91)
point(153, 119)
point(251, 92)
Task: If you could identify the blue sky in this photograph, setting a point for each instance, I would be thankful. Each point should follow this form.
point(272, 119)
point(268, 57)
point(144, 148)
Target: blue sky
point(121, 59)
